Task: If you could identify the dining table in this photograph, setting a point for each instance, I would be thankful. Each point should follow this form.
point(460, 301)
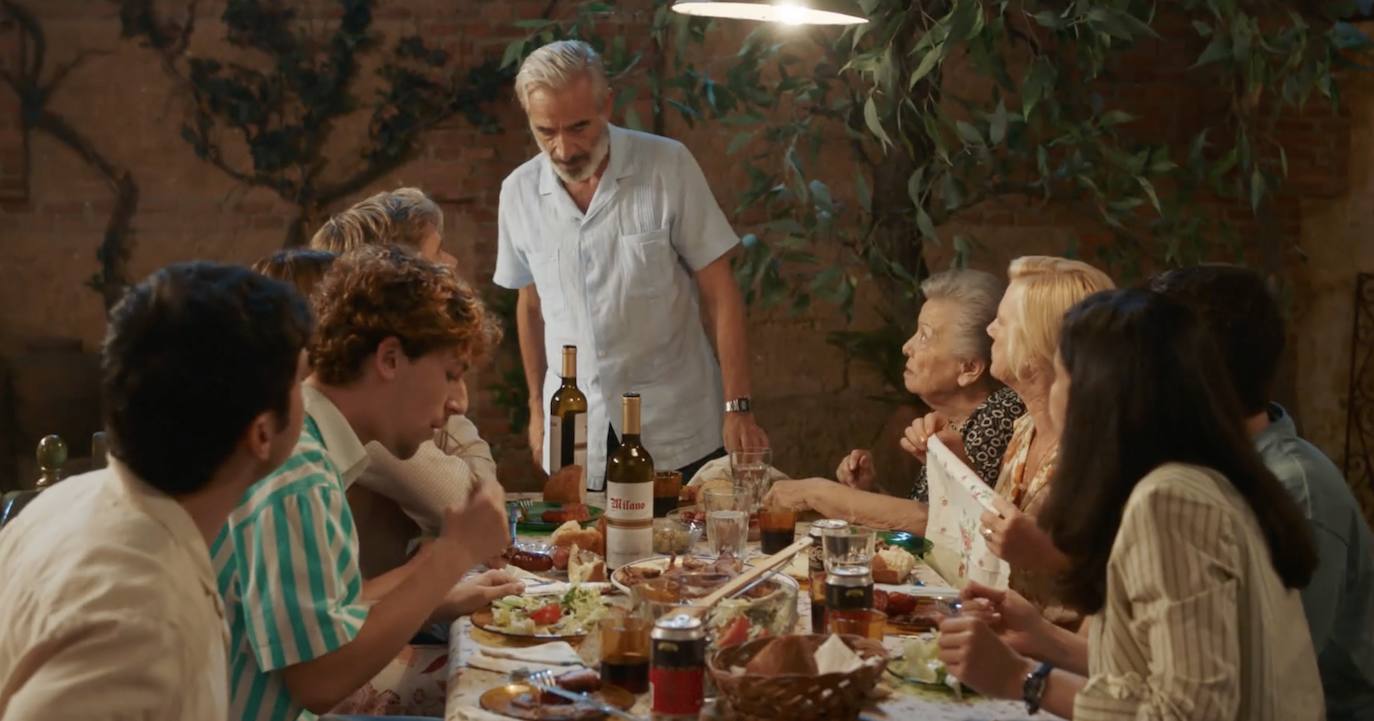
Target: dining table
point(895, 698)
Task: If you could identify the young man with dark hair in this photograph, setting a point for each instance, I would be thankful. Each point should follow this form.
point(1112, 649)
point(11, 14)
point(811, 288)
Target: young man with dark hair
point(395, 335)
point(1244, 318)
point(109, 597)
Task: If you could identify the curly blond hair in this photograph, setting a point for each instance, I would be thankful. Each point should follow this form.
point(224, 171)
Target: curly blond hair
point(404, 216)
point(1046, 287)
point(379, 292)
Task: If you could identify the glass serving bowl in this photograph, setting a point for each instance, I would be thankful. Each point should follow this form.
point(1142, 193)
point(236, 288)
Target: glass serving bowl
point(676, 535)
point(768, 609)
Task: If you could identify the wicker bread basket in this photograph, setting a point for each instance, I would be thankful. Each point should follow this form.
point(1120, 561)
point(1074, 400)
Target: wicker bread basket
point(796, 697)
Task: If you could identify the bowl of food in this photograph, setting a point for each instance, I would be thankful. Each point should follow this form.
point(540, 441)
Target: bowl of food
point(677, 533)
point(767, 609)
point(803, 677)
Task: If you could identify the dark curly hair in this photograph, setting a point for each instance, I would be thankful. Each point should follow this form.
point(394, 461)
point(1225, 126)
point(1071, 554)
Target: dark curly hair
point(379, 292)
point(192, 355)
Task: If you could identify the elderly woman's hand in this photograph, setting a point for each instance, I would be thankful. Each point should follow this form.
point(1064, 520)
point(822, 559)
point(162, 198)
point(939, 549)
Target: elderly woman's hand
point(917, 436)
point(1017, 539)
point(980, 660)
point(856, 470)
point(797, 495)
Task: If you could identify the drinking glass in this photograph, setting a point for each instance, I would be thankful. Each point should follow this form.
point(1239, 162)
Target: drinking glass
point(850, 547)
point(777, 528)
point(749, 467)
point(727, 520)
point(865, 622)
point(667, 487)
point(625, 649)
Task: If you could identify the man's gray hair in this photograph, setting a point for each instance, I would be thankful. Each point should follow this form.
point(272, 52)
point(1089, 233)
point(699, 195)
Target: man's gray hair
point(976, 295)
point(557, 65)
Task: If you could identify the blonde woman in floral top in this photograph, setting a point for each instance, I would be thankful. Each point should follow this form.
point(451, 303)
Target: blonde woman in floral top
point(1025, 338)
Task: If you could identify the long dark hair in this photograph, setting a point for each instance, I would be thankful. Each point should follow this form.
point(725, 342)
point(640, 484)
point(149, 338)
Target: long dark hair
point(1147, 388)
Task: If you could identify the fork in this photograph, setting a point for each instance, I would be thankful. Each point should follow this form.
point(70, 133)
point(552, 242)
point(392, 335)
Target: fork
point(524, 504)
point(543, 680)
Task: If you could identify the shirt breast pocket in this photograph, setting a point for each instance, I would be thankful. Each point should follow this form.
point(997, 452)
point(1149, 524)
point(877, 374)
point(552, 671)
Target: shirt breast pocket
point(647, 259)
point(548, 282)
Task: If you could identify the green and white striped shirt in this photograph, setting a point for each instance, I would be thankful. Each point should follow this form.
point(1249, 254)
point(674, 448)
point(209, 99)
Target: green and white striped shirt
point(287, 567)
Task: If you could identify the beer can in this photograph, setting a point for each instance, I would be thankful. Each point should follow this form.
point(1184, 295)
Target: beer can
point(677, 671)
point(849, 589)
point(816, 554)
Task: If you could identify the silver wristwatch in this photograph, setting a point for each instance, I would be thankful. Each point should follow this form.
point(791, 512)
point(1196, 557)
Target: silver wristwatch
point(738, 405)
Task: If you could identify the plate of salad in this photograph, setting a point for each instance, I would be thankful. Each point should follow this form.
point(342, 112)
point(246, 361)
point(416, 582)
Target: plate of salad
point(919, 662)
point(565, 616)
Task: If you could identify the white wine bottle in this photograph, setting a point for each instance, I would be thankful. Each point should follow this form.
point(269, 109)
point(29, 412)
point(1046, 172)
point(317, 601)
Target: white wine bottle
point(629, 494)
point(568, 422)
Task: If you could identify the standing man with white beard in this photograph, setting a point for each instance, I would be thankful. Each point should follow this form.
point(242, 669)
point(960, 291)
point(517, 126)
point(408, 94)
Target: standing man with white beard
point(603, 234)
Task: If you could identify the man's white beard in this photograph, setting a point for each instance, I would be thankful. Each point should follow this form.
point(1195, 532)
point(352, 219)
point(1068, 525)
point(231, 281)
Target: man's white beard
point(598, 154)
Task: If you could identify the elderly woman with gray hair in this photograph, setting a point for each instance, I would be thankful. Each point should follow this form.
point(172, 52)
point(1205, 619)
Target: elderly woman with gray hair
point(948, 367)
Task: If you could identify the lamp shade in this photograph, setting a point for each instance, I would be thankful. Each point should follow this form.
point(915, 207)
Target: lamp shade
point(790, 12)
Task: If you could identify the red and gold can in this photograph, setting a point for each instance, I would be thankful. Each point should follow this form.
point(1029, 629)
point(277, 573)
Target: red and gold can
point(677, 672)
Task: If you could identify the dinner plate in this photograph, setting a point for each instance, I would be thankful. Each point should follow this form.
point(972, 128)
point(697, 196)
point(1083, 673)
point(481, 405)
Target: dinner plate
point(486, 620)
point(501, 700)
point(535, 524)
point(659, 562)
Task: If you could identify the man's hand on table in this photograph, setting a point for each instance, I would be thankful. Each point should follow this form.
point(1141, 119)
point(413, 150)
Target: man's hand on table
point(476, 592)
point(741, 431)
point(474, 531)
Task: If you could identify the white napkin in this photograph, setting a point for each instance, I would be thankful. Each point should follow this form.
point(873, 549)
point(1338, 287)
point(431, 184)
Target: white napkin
point(558, 653)
point(558, 588)
point(835, 656)
point(720, 468)
point(958, 499)
point(507, 666)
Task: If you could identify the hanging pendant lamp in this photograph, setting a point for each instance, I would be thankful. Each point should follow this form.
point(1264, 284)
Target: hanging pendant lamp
point(788, 12)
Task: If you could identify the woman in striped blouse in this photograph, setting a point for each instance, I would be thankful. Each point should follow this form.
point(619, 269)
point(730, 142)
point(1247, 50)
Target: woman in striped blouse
point(1183, 549)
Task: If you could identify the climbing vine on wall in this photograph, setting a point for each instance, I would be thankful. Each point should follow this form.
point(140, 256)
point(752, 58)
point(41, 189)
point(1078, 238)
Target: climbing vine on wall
point(281, 97)
point(35, 86)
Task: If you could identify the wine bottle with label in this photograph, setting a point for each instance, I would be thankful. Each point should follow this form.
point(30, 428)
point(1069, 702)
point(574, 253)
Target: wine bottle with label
point(568, 422)
point(629, 494)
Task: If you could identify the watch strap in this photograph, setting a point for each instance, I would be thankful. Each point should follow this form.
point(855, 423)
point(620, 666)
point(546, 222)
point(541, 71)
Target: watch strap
point(738, 405)
point(1033, 690)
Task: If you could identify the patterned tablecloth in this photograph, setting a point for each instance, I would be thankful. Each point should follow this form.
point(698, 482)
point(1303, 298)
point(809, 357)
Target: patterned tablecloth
point(906, 700)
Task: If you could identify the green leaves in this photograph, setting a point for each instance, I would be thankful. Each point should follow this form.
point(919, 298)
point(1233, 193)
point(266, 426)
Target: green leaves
point(875, 125)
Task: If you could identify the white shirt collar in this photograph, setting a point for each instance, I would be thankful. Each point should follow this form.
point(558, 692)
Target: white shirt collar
point(171, 515)
point(341, 444)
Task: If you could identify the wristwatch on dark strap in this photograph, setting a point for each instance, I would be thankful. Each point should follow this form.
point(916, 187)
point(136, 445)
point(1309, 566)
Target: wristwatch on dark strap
point(738, 405)
point(1033, 690)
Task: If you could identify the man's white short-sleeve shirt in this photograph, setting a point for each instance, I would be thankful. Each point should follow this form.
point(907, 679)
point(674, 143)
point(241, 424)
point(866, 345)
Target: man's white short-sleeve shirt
point(617, 282)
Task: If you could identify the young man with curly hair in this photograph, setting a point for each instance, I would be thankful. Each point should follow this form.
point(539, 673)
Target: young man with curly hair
point(395, 333)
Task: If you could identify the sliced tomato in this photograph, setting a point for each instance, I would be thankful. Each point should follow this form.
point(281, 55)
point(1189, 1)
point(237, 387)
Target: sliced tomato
point(547, 615)
point(735, 634)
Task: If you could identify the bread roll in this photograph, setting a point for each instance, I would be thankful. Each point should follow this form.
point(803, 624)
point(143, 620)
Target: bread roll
point(892, 565)
point(565, 486)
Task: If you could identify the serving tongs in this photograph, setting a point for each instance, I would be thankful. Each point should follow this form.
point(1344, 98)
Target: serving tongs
point(755, 575)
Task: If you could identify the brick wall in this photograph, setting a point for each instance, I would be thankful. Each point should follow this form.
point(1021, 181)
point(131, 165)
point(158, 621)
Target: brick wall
point(53, 208)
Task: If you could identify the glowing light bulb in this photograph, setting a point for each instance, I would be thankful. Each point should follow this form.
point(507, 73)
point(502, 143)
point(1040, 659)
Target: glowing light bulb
point(790, 14)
